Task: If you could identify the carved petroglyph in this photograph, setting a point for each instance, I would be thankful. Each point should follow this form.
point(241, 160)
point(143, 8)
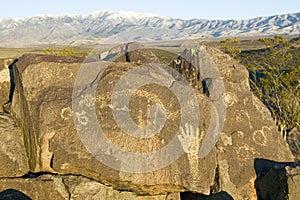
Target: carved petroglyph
point(191, 136)
point(82, 118)
point(46, 154)
point(245, 153)
point(87, 100)
point(241, 115)
point(240, 134)
point(187, 136)
point(260, 136)
point(227, 140)
point(230, 99)
point(66, 113)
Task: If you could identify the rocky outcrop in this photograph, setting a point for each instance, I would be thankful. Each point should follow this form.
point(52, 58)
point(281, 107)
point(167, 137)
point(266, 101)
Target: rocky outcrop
point(84, 188)
point(130, 52)
point(13, 158)
point(44, 187)
point(293, 139)
point(280, 182)
point(210, 152)
point(4, 80)
point(43, 105)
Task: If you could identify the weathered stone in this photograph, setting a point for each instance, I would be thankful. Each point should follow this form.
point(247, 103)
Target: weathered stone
point(4, 81)
point(44, 187)
point(43, 106)
point(83, 188)
point(130, 52)
point(217, 196)
point(293, 139)
point(13, 159)
point(248, 133)
point(280, 182)
point(293, 182)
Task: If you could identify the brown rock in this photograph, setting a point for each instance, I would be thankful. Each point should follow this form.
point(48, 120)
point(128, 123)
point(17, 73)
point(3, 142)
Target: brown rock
point(130, 52)
point(4, 81)
point(83, 188)
point(44, 187)
point(13, 159)
point(293, 139)
point(42, 104)
point(293, 182)
point(280, 182)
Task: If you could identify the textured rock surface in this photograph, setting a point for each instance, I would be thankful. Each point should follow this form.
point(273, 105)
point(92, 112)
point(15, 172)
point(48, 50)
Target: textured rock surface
point(4, 81)
point(249, 132)
point(280, 183)
point(293, 139)
point(42, 104)
point(13, 159)
point(83, 188)
point(131, 52)
point(44, 187)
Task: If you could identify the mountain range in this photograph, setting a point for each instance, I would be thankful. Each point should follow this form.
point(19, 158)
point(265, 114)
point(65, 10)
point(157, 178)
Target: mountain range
point(113, 27)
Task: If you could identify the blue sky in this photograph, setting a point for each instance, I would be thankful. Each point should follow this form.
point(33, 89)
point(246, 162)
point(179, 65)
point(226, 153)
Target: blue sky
point(186, 9)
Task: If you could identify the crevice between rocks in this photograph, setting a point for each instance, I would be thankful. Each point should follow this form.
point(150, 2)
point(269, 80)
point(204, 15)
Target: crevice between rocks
point(67, 188)
point(216, 185)
point(51, 161)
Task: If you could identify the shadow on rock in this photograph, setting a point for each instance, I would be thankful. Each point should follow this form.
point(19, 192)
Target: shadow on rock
point(276, 180)
point(12, 194)
point(6, 106)
point(194, 196)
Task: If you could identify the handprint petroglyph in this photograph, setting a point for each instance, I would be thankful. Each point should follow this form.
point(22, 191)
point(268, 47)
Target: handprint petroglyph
point(187, 136)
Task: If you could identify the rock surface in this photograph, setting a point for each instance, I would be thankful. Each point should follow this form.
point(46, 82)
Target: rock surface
point(130, 52)
point(13, 158)
point(43, 107)
point(44, 187)
point(293, 139)
point(280, 182)
point(4, 81)
point(84, 188)
point(54, 145)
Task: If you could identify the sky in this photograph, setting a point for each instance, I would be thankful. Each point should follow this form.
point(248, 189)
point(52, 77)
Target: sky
point(185, 9)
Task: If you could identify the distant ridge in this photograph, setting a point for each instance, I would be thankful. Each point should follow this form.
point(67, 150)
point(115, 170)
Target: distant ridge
point(112, 27)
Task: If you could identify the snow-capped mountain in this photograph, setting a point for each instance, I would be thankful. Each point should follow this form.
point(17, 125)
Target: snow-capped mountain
point(110, 27)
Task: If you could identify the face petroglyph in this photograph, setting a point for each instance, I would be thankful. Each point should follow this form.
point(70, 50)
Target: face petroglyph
point(230, 99)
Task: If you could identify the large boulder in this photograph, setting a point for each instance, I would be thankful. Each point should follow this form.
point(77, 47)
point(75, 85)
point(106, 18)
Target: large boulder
point(249, 132)
point(13, 158)
point(130, 52)
point(43, 187)
point(43, 106)
point(60, 139)
point(84, 188)
point(280, 182)
point(293, 139)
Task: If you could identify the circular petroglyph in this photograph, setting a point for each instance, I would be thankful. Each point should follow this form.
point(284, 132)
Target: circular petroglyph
point(240, 134)
point(259, 136)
